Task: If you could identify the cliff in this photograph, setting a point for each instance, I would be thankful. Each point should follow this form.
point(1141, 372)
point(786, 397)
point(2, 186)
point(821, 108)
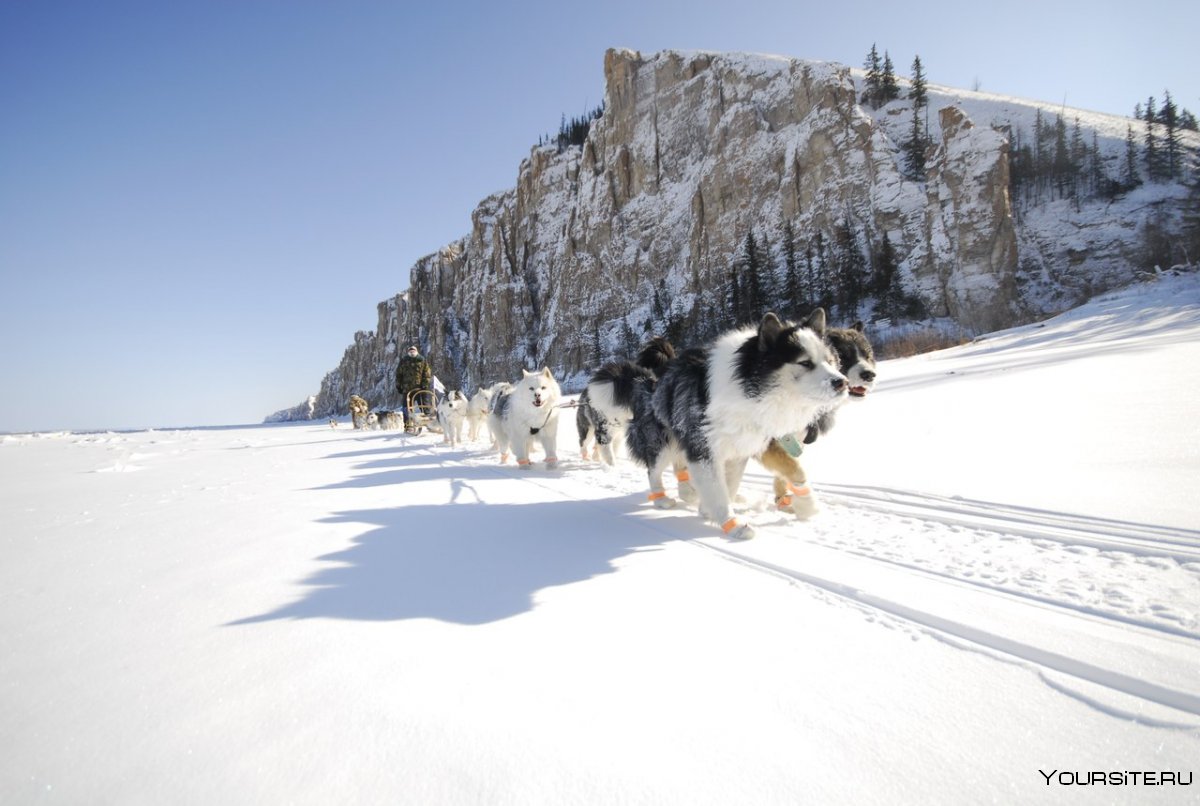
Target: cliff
point(693, 151)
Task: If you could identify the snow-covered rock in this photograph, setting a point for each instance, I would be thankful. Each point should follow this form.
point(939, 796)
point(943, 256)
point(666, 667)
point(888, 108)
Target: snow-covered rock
point(696, 149)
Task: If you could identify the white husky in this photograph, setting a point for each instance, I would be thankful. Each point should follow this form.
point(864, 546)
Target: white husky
point(527, 411)
point(451, 414)
point(477, 410)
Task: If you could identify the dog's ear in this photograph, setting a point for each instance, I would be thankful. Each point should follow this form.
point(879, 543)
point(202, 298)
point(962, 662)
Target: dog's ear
point(768, 331)
point(816, 322)
point(526, 373)
point(546, 372)
point(859, 326)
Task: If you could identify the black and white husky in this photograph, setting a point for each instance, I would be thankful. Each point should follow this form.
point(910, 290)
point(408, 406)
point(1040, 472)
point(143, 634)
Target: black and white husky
point(526, 412)
point(606, 405)
point(451, 415)
point(719, 406)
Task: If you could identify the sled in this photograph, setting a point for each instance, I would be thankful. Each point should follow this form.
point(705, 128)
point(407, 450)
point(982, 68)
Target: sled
point(422, 412)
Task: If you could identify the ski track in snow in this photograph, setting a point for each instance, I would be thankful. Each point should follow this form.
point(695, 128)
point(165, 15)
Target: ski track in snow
point(1107, 575)
point(1046, 556)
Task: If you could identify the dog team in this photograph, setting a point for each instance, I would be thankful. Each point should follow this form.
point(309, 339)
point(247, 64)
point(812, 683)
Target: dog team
point(759, 392)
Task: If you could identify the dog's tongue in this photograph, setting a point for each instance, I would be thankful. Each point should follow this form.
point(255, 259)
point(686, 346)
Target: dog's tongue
point(858, 391)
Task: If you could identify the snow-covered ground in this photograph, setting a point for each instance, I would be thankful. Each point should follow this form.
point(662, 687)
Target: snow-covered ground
point(1001, 596)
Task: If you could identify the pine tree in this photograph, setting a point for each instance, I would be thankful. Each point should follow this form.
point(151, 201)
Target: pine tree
point(733, 315)
point(883, 267)
point(629, 341)
point(889, 89)
point(1096, 176)
point(885, 281)
point(874, 80)
point(773, 276)
point(1062, 157)
point(917, 144)
point(576, 131)
point(676, 324)
point(1154, 163)
point(772, 283)
point(1043, 154)
point(1130, 179)
point(1173, 158)
point(823, 283)
point(597, 346)
point(791, 271)
point(813, 295)
point(1079, 154)
point(1020, 167)
point(918, 91)
point(851, 269)
point(752, 298)
point(913, 149)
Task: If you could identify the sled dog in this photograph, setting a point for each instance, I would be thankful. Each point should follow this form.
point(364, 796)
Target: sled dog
point(477, 410)
point(855, 360)
point(606, 405)
point(452, 414)
point(525, 412)
point(386, 420)
point(718, 406)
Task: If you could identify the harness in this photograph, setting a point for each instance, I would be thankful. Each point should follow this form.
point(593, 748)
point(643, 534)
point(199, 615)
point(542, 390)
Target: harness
point(549, 414)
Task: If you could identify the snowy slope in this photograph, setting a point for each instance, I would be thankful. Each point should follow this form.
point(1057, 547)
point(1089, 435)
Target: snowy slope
point(1005, 579)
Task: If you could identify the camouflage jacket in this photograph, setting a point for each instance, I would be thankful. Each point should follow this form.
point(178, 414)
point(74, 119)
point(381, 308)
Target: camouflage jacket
point(413, 372)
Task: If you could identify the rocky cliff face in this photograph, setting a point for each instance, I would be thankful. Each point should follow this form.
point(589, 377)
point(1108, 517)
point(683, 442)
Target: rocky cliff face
point(692, 152)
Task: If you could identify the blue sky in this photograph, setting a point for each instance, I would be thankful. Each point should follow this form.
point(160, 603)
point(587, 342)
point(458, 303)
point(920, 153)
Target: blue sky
point(201, 202)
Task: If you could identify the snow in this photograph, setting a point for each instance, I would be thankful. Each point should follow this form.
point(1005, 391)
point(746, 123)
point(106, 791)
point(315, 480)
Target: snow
point(1004, 581)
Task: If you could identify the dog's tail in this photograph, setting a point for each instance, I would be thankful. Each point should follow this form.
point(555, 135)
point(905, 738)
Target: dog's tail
point(655, 355)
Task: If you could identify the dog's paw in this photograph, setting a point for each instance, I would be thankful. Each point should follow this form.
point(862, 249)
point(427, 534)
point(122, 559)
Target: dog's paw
point(737, 531)
point(664, 503)
point(804, 507)
point(741, 532)
point(688, 493)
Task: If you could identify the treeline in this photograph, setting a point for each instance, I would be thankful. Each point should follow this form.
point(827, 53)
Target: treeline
point(1164, 156)
point(881, 86)
point(840, 271)
point(572, 132)
point(1051, 162)
point(1060, 163)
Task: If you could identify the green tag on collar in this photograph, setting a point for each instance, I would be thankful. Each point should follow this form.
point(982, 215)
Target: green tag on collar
point(791, 445)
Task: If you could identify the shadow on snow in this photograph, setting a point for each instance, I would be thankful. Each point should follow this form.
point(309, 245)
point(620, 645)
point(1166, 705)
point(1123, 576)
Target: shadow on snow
point(466, 562)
